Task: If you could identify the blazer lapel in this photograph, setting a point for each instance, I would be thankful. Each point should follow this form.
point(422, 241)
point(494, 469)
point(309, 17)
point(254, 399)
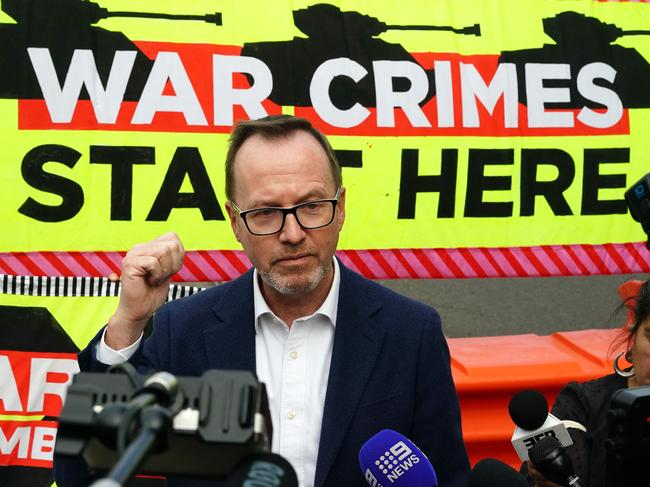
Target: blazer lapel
point(230, 339)
point(356, 346)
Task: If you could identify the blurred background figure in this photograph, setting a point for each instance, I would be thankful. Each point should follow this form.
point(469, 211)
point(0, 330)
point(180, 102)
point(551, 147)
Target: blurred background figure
point(588, 403)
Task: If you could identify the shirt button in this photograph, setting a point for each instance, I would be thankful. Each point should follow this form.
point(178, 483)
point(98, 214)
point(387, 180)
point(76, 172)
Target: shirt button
point(291, 414)
point(293, 355)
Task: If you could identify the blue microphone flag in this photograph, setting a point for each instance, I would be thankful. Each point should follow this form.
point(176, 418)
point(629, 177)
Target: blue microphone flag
point(391, 459)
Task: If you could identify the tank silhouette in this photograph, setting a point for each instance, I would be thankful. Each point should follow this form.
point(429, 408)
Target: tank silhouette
point(63, 26)
point(333, 33)
point(580, 40)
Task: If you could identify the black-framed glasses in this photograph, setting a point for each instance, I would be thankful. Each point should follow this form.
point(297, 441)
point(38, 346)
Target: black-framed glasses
point(309, 215)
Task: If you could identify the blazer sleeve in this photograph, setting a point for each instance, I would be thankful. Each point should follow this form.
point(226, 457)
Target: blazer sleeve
point(436, 425)
point(88, 362)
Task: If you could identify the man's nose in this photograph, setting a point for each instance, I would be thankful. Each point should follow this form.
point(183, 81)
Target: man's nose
point(292, 232)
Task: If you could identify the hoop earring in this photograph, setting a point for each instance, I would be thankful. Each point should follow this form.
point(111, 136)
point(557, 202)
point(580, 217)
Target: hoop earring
point(629, 372)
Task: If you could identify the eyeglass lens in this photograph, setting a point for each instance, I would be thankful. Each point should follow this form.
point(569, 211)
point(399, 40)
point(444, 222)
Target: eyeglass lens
point(312, 214)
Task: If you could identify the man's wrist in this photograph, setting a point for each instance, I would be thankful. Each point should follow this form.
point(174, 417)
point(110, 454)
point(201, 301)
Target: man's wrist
point(121, 333)
point(110, 356)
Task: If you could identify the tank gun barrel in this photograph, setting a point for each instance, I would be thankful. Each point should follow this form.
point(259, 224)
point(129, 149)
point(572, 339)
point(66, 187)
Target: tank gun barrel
point(85, 11)
point(214, 18)
point(634, 33)
point(469, 30)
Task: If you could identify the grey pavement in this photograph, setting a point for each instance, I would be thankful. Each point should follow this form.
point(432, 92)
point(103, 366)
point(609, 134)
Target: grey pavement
point(487, 307)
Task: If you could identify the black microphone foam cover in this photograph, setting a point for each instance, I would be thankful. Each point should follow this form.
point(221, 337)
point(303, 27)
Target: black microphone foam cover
point(543, 449)
point(263, 470)
point(551, 460)
point(493, 473)
point(528, 409)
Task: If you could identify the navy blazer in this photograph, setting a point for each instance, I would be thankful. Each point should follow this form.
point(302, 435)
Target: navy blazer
point(390, 369)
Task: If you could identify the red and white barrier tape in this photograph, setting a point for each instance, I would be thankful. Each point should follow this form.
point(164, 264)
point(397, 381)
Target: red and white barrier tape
point(223, 265)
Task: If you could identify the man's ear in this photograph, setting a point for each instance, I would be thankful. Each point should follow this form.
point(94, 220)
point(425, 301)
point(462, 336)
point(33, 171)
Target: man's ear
point(340, 218)
point(232, 215)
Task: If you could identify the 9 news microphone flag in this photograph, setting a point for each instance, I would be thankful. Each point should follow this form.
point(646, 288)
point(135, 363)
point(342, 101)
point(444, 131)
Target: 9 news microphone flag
point(389, 458)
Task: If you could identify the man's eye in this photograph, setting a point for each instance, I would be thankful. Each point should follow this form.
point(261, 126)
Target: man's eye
point(315, 206)
point(268, 213)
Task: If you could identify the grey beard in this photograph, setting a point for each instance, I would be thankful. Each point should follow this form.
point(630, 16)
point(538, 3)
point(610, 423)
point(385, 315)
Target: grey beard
point(274, 281)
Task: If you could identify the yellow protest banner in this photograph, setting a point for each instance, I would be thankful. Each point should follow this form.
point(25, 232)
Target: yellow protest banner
point(458, 127)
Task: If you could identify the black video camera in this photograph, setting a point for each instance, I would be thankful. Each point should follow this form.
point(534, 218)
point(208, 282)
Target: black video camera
point(214, 421)
point(628, 441)
point(637, 198)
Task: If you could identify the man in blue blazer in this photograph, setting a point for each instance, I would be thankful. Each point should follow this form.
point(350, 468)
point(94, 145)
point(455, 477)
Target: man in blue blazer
point(342, 357)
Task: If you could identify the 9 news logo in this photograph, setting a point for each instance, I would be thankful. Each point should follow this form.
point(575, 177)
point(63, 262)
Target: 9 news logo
point(394, 463)
point(391, 458)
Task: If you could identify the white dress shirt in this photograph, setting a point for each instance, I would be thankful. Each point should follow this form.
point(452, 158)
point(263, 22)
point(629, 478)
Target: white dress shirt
point(294, 363)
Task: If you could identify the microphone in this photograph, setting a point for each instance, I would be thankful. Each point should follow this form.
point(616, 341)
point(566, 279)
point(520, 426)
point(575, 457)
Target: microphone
point(529, 411)
point(389, 458)
point(551, 460)
point(263, 470)
point(160, 388)
point(490, 472)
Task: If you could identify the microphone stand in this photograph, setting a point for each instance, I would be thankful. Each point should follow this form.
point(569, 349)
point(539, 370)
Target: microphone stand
point(156, 422)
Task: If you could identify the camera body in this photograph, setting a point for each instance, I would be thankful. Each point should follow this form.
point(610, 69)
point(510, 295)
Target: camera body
point(637, 198)
point(628, 442)
point(218, 419)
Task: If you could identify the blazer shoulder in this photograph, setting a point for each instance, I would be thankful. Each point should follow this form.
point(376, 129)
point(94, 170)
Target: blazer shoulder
point(389, 301)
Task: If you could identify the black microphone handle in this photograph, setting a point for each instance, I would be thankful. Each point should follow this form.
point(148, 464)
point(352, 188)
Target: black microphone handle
point(491, 472)
point(263, 470)
point(574, 482)
point(551, 459)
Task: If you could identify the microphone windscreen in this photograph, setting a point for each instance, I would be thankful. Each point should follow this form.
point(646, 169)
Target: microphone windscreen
point(544, 448)
point(528, 409)
point(490, 472)
point(263, 470)
point(551, 459)
point(389, 458)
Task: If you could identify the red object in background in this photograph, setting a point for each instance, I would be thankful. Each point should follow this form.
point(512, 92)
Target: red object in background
point(488, 371)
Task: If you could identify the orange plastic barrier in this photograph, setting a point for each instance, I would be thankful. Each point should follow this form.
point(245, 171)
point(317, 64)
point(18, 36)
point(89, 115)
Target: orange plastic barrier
point(489, 370)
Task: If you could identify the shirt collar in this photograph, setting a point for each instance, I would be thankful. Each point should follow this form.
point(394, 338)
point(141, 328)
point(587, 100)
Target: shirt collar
point(328, 309)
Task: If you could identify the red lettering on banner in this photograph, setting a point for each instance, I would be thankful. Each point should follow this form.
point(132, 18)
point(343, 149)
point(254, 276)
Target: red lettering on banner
point(476, 96)
point(35, 383)
point(27, 443)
